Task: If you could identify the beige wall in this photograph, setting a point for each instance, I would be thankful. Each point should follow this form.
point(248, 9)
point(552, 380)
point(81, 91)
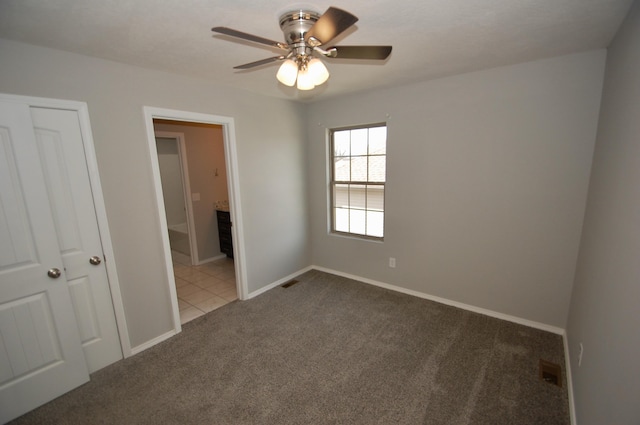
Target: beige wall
point(205, 154)
point(487, 177)
point(605, 307)
point(271, 158)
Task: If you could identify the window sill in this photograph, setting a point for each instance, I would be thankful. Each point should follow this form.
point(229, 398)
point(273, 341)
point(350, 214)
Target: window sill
point(352, 236)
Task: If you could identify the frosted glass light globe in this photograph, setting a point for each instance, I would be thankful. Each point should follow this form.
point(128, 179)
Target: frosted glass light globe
point(287, 73)
point(318, 71)
point(305, 80)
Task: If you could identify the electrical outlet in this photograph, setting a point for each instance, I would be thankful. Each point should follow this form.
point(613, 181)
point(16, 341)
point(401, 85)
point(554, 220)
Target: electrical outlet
point(392, 262)
point(580, 355)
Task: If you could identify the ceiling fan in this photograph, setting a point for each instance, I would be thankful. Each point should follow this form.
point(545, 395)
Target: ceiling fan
point(306, 35)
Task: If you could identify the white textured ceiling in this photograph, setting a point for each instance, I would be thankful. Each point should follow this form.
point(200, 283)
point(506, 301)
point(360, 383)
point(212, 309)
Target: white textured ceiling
point(430, 38)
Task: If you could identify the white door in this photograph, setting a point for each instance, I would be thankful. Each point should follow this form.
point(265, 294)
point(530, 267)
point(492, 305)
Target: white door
point(41, 356)
point(64, 165)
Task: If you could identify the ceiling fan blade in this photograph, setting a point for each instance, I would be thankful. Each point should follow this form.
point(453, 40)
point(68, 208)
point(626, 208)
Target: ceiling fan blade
point(250, 37)
point(333, 22)
point(360, 52)
point(260, 62)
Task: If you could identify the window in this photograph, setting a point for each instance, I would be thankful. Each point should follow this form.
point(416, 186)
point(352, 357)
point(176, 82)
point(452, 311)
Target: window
point(358, 174)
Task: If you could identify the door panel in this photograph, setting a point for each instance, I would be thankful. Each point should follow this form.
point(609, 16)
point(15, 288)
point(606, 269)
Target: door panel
point(42, 356)
point(82, 297)
point(61, 148)
point(14, 224)
point(27, 339)
point(58, 186)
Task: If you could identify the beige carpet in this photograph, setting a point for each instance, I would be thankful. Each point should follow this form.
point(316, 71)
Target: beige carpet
point(328, 350)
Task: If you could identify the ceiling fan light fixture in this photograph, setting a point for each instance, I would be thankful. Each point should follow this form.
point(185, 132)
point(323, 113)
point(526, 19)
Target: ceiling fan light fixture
point(305, 80)
point(287, 73)
point(318, 71)
point(306, 34)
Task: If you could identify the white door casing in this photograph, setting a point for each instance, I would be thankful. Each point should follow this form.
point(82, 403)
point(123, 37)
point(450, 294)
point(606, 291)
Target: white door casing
point(63, 160)
point(40, 352)
point(228, 128)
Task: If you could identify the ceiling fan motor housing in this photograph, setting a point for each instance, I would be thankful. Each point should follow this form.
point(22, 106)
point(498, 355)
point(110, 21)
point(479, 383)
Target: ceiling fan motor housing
point(295, 25)
point(305, 32)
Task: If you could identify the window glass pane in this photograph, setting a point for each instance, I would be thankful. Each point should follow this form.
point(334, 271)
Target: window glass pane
point(375, 223)
point(359, 168)
point(359, 142)
point(342, 169)
point(357, 196)
point(341, 142)
point(341, 219)
point(357, 220)
point(359, 156)
point(378, 141)
point(375, 198)
point(341, 196)
point(377, 168)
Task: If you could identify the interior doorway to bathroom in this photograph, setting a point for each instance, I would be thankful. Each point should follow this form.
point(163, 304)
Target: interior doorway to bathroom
point(193, 175)
point(153, 117)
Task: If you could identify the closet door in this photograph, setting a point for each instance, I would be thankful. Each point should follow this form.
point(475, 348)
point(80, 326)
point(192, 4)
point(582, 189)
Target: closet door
point(41, 355)
point(64, 166)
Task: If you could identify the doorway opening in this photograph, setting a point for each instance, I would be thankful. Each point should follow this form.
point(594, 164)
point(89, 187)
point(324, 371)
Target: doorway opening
point(195, 193)
point(193, 157)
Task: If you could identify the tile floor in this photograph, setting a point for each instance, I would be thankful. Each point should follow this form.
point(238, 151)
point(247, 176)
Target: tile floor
point(203, 288)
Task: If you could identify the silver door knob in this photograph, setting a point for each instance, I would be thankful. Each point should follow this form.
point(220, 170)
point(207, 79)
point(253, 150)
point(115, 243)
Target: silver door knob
point(95, 260)
point(54, 273)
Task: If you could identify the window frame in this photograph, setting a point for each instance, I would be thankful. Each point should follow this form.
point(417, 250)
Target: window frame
point(366, 183)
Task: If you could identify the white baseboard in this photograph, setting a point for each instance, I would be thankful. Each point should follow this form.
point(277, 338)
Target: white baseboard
point(468, 307)
point(140, 348)
point(277, 283)
point(567, 366)
point(210, 259)
point(484, 311)
point(144, 346)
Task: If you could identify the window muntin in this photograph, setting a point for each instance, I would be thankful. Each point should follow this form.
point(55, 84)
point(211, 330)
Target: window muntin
point(358, 175)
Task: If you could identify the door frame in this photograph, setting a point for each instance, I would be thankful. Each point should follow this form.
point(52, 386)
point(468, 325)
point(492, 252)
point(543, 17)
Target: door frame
point(82, 110)
point(186, 188)
point(233, 187)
